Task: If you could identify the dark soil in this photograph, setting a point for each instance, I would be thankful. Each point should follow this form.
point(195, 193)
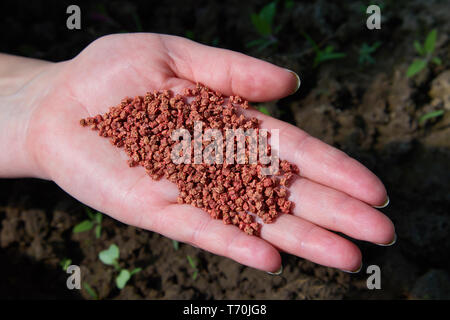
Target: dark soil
point(369, 111)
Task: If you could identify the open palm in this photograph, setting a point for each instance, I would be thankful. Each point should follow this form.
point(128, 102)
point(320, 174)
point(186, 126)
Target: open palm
point(334, 191)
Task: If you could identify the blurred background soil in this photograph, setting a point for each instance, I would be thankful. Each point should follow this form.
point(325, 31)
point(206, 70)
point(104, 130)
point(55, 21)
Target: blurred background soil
point(370, 111)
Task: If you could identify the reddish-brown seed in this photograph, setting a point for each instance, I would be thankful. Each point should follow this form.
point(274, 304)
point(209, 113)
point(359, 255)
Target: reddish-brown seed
point(143, 126)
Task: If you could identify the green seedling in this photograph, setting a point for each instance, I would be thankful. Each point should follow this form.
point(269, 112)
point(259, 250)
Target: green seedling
point(323, 55)
point(264, 110)
point(176, 244)
point(110, 257)
point(190, 34)
point(94, 221)
point(430, 115)
point(425, 52)
point(90, 291)
point(193, 265)
point(65, 263)
point(263, 23)
point(365, 53)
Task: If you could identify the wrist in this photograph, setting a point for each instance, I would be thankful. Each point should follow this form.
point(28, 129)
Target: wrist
point(20, 93)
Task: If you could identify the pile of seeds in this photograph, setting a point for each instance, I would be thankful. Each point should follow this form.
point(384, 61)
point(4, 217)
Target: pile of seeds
point(235, 193)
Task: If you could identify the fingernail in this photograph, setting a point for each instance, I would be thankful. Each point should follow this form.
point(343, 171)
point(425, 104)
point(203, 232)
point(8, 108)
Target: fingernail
point(298, 80)
point(276, 273)
point(384, 205)
point(353, 271)
point(390, 243)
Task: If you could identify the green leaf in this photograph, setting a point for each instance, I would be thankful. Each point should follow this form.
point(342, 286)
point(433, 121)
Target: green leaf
point(328, 54)
point(268, 13)
point(137, 270)
point(264, 20)
point(176, 244)
point(365, 53)
point(334, 55)
point(266, 44)
point(110, 255)
point(418, 47)
point(190, 34)
point(430, 41)
point(264, 110)
point(260, 26)
point(255, 20)
point(90, 291)
point(65, 263)
point(98, 231)
point(98, 217)
point(123, 278)
point(192, 262)
point(436, 60)
point(328, 49)
point(83, 226)
point(89, 213)
point(416, 67)
point(194, 276)
point(375, 46)
point(311, 42)
point(430, 115)
point(257, 42)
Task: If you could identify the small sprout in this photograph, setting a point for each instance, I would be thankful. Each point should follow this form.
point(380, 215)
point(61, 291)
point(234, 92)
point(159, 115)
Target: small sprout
point(425, 52)
point(415, 67)
point(95, 220)
point(264, 110)
point(430, 115)
point(83, 226)
point(110, 257)
point(323, 55)
point(263, 23)
point(176, 244)
point(65, 263)
point(193, 265)
point(124, 276)
point(90, 291)
point(436, 60)
point(365, 53)
point(190, 34)
point(327, 54)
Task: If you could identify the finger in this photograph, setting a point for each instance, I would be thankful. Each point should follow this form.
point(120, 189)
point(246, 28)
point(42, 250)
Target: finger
point(229, 72)
point(323, 163)
point(304, 239)
point(334, 210)
point(192, 225)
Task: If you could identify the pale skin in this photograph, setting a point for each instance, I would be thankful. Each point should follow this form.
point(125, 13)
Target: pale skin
point(41, 104)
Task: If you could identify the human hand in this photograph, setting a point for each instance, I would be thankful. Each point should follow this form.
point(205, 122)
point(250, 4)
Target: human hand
point(334, 192)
